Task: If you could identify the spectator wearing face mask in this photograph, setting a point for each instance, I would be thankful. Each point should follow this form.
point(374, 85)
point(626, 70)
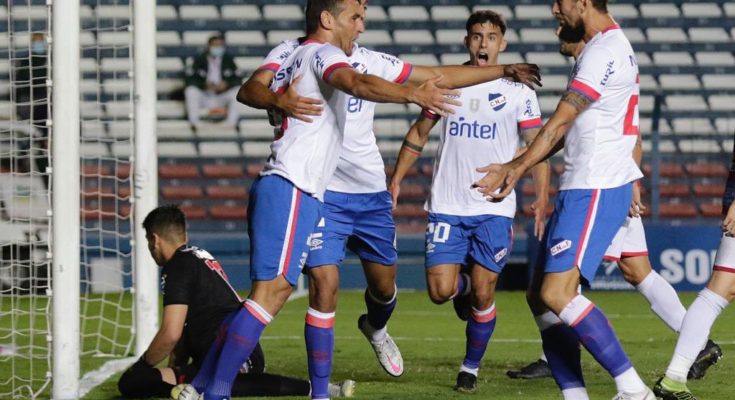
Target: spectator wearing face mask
point(31, 98)
point(211, 84)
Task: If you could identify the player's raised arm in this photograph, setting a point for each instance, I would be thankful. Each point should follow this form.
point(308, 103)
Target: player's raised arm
point(459, 76)
point(256, 93)
point(502, 178)
point(413, 144)
point(372, 88)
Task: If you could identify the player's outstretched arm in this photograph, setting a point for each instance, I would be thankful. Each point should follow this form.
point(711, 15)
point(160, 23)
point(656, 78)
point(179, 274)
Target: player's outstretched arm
point(256, 93)
point(174, 316)
point(541, 173)
point(413, 144)
point(372, 88)
point(502, 178)
point(459, 76)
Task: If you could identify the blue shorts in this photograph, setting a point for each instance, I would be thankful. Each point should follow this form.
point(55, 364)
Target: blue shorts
point(582, 227)
point(281, 219)
point(486, 239)
point(361, 222)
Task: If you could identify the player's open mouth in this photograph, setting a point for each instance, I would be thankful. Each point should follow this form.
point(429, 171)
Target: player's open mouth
point(482, 57)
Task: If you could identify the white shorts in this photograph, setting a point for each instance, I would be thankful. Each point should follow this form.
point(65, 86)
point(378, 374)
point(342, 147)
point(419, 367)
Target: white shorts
point(725, 259)
point(630, 241)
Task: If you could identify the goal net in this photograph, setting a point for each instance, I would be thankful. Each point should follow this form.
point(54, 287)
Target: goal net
point(38, 316)
point(24, 200)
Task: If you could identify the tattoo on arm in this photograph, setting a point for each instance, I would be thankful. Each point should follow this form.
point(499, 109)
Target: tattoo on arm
point(577, 100)
point(413, 147)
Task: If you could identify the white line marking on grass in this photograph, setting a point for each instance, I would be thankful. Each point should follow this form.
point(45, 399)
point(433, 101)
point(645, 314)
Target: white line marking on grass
point(96, 377)
point(408, 339)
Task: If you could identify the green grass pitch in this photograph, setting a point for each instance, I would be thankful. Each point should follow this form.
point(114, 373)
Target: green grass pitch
point(432, 342)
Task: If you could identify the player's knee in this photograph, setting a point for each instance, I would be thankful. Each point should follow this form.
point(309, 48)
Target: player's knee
point(139, 382)
point(553, 298)
point(483, 296)
point(440, 294)
point(383, 291)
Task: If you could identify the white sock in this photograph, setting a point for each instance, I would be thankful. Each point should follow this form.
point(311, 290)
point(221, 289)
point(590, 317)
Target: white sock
point(543, 357)
point(578, 393)
point(469, 370)
point(663, 299)
point(629, 382)
point(694, 332)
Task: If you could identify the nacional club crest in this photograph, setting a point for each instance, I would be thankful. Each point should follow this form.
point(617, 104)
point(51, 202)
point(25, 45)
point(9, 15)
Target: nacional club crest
point(497, 101)
point(360, 67)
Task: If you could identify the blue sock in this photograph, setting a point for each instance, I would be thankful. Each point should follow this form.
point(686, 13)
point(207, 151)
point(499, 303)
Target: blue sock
point(379, 313)
point(479, 329)
point(204, 375)
point(319, 335)
point(598, 337)
point(561, 347)
point(242, 337)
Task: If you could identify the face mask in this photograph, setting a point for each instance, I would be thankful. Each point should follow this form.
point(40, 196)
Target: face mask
point(217, 51)
point(38, 48)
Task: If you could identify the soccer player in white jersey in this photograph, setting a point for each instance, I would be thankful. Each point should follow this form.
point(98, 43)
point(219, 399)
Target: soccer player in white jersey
point(630, 251)
point(357, 213)
point(708, 305)
point(464, 228)
point(591, 122)
point(286, 201)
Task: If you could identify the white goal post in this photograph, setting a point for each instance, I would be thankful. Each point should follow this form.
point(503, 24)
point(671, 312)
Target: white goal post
point(66, 333)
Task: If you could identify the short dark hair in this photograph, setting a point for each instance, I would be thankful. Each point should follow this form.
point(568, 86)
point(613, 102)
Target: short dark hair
point(600, 5)
point(314, 10)
point(213, 38)
point(167, 221)
point(486, 16)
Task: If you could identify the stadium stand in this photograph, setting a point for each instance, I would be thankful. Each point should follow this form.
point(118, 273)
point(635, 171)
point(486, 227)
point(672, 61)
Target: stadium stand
point(685, 53)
